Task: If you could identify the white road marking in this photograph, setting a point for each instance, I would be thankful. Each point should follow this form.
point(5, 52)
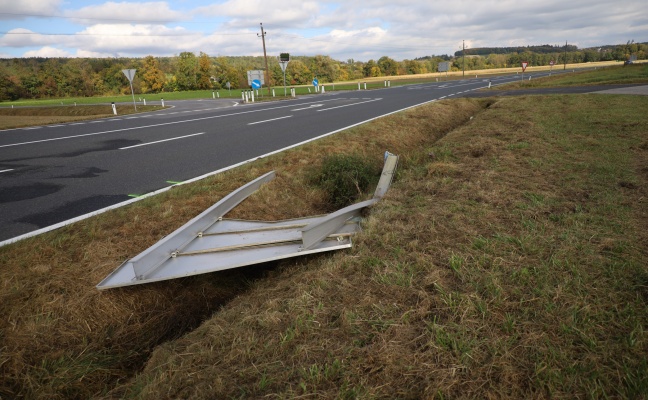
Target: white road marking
point(269, 120)
point(149, 126)
point(160, 141)
point(349, 105)
point(308, 108)
point(6, 170)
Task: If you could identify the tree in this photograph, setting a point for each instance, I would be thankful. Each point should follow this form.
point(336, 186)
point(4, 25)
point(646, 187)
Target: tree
point(388, 66)
point(371, 69)
point(186, 71)
point(9, 88)
point(152, 76)
point(204, 72)
point(298, 73)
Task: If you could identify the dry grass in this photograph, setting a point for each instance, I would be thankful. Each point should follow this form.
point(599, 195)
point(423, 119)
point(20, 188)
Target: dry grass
point(508, 261)
point(61, 338)
point(30, 116)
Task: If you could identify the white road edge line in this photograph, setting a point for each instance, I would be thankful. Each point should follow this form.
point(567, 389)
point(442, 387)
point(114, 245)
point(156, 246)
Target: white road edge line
point(269, 120)
point(218, 171)
point(6, 170)
point(160, 141)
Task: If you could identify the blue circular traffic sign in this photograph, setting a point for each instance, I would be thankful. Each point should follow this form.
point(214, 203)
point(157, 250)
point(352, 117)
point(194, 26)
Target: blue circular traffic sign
point(256, 84)
point(315, 82)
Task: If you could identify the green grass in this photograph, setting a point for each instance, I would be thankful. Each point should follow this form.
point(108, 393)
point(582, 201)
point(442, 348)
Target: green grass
point(630, 74)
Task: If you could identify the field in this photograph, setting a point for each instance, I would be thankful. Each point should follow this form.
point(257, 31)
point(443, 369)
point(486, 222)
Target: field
point(507, 261)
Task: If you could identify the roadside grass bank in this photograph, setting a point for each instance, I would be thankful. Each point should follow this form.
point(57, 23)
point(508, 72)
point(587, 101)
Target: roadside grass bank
point(30, 116)
point(62, 338)
point(615, 75)
point(507, 261)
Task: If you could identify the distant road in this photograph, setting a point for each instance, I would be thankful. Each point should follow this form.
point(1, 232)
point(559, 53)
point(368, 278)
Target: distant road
point(50, 174)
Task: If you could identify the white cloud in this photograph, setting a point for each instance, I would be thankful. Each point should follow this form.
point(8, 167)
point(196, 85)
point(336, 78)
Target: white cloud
point(349, 29)
point(26, 38)
point(47, 51)
point(279, 13)
point(10, 8)
point(134, 40)
point(126, 11)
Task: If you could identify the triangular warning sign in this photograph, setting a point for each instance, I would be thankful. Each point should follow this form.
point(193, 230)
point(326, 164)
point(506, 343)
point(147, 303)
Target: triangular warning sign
point(524, 65)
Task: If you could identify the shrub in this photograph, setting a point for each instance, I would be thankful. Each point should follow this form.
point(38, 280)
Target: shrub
point(345, 178)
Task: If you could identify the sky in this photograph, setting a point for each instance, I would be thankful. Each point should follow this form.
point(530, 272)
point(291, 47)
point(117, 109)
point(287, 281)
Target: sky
point(351, 29)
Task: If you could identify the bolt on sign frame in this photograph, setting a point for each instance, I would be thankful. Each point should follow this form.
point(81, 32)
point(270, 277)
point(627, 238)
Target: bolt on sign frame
point(209, 243)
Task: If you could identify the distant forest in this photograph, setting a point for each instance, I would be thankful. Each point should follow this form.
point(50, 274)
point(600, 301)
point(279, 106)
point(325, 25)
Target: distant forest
point(35, 78)
point(544, 49)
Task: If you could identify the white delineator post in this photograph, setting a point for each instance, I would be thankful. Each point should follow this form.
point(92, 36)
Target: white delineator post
point(113, 107)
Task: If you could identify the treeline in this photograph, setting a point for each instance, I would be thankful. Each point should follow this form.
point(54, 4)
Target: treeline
point(542, 55)
point(34, 78)
point(543, 49)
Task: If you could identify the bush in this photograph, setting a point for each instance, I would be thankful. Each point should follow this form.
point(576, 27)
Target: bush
point(345, 178)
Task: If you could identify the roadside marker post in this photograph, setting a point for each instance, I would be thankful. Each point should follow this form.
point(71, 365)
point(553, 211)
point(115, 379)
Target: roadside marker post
point(113, 107)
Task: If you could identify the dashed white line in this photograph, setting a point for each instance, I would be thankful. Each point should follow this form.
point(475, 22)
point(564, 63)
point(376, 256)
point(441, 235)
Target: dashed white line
point(269, 120)
point(308, 108)
point(349, 105)
point(6, 170)
point(160, 141)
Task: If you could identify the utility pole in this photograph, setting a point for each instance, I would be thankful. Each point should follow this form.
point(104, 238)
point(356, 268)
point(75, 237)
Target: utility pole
point(565, 60)
point(463, 56)
point(267, 72)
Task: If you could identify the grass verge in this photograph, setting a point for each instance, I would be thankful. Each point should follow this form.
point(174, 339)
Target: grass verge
point(30, 116)
point(616, 75)
point(61, 338)
point(507, 261)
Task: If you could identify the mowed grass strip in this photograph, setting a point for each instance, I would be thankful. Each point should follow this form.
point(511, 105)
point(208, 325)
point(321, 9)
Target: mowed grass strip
point(507, 261)
point(32, 116)
point(614, 75)
point(62, 338)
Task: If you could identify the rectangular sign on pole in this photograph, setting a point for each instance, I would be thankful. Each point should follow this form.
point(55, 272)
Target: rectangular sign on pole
point(257, 74)
point(444, 66)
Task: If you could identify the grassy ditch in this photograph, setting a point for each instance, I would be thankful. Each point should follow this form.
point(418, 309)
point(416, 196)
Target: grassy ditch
point(61, 338)
point(507, 261)
point(30, 116)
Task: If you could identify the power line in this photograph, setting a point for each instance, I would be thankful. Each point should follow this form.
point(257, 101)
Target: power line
point(100, 19)
point(125, 35)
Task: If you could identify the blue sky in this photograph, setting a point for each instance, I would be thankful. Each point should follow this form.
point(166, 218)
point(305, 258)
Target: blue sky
point(360, 30)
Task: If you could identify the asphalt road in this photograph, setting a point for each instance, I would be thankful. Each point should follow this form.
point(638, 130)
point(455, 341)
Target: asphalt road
point(50, 174)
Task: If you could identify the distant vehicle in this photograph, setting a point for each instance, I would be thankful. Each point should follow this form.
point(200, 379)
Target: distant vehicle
point(627, 62)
